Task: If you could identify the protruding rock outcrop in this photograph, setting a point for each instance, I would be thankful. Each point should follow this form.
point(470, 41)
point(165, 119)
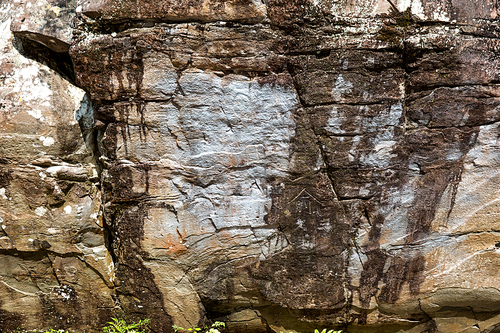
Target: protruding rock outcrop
point(55, 270)
point(48, 22)
point(285, 165)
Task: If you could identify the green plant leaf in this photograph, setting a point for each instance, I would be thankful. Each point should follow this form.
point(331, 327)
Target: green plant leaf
point(219, 324)
point(121, 326)
point(177, 328)
point(213, 330)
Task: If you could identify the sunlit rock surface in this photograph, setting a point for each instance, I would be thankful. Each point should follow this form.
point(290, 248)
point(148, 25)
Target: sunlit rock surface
point(278, 165)
point(48, 22)
point(55, 270)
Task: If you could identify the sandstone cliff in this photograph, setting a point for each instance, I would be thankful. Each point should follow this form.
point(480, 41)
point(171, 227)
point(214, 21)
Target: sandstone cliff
point(276, 164)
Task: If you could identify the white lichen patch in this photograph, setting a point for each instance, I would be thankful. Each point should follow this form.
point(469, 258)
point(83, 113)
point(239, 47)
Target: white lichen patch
point(417, 9)
point(341, 87)
point(403, 5)
point(440, 14)
point(67, 209)
point(40, 211)
point(47, 141)
point(111, 271)
point(35, 113)
point(54, 170)
point(5, 7)
point(26, 83)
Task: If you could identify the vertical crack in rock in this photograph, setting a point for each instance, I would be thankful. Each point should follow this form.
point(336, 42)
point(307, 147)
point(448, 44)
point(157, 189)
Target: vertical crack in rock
point(139, 295)
point(309, 276)
point(431, 324)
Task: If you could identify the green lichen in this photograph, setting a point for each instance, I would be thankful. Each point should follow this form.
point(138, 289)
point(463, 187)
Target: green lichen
point(394, 30)
point(405, 19)
point(390, 34)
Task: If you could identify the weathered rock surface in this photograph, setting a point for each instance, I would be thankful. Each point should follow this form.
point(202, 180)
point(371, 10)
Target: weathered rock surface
point(48, 22)
point(280, 165)
point(55, 270)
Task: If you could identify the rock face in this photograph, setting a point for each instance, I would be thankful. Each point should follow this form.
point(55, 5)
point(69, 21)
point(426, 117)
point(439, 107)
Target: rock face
point(55, 269)
point(279, 165)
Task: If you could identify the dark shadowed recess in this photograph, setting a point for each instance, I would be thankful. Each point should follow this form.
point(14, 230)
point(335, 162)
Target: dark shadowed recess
point(59, 62)
point(9, 321)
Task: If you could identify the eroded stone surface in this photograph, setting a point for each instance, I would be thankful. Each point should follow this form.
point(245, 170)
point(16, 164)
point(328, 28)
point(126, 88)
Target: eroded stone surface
point(284, 165)
point(49, 23)
point(54, 267)
point(248, 11)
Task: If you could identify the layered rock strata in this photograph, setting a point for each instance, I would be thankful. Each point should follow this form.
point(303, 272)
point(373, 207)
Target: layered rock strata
point(55, 270)
point(286, 165)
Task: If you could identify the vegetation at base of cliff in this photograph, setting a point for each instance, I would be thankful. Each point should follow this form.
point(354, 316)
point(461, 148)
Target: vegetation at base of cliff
point(214, 328)
point(114, 326)
point(121, 326)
